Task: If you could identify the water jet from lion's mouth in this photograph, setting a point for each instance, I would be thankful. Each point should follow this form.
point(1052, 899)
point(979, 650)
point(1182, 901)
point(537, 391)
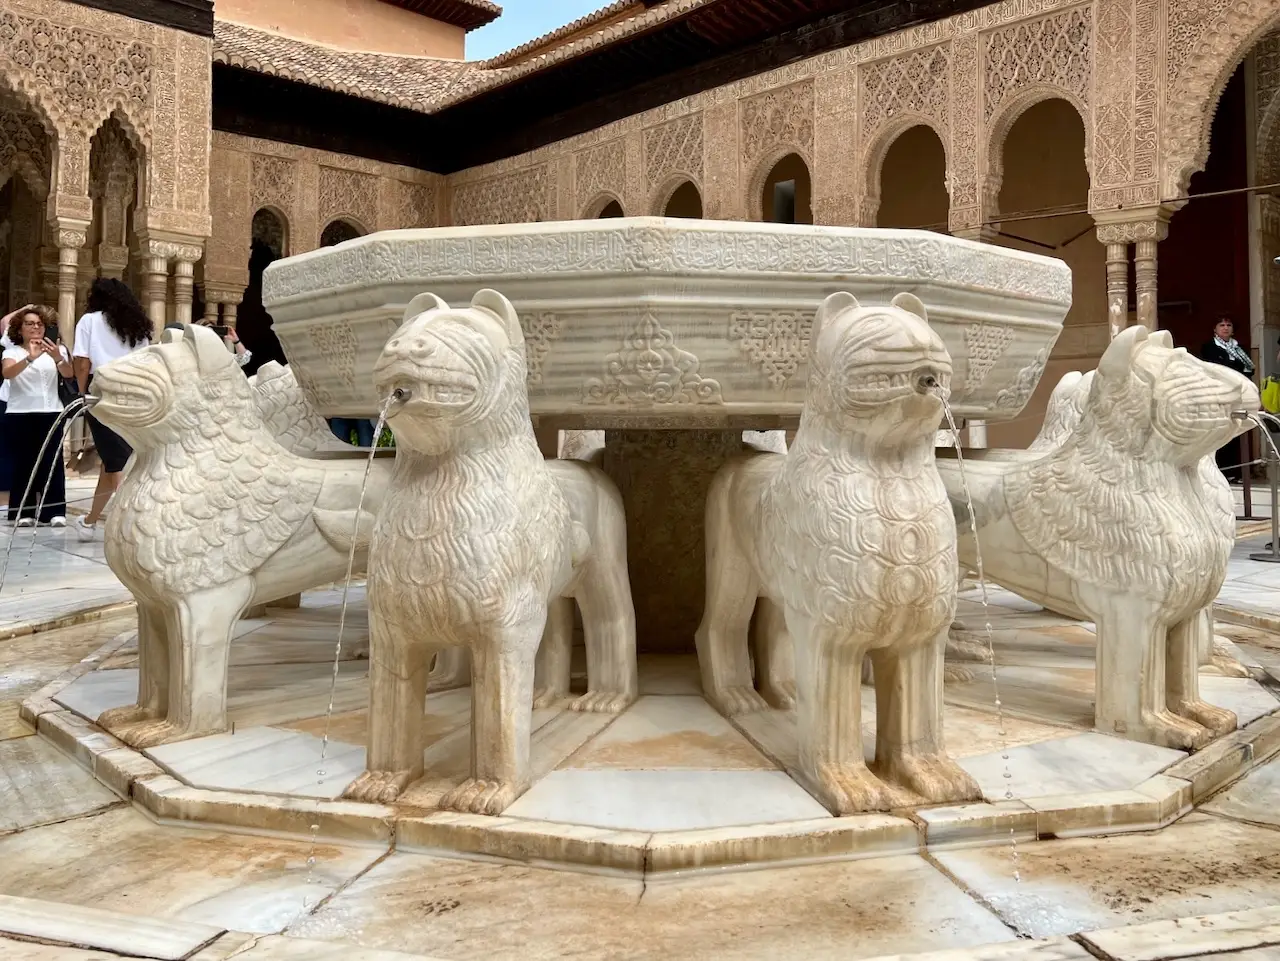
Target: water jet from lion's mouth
point(927, 384)
point(400, 395)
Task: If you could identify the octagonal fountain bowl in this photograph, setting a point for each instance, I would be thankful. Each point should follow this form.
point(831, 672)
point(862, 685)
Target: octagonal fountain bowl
point(655, 322)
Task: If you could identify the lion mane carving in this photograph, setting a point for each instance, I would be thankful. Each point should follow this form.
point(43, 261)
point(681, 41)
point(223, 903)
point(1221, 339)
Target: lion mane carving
point(1120, 518)
point(479, 544)
point(213, 516)
point(288, 414)
point(848, 541)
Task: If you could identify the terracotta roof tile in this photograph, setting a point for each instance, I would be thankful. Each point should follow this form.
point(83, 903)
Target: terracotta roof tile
point(569, 29)
point(416, 83)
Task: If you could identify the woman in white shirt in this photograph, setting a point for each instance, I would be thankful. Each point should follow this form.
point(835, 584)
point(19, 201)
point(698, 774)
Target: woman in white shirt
point(32, 368)
point(115, 325)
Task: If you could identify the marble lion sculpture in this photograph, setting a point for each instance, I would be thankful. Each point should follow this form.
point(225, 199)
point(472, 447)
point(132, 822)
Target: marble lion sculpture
point(1120, 517)
point(479, 544)
point(849, 540)
point(213, 516)
point(288, 414)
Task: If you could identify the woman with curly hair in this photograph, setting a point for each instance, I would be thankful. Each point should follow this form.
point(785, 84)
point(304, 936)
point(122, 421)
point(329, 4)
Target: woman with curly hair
point(114, 326)
point(32, 367)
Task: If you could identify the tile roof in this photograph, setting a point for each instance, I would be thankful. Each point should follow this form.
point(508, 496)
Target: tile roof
point(568, 30)
point(467, 14)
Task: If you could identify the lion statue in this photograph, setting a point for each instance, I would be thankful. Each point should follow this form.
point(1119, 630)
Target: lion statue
point(1121, 519)
point(850, 540)
point(478, 541)
point(288, 414)
point(214, 516)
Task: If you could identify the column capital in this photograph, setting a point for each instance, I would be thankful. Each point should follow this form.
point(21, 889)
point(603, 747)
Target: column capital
point(170, 246)
point(223, 293)
point(983, 233)
point(69, 233)
point(1132, 225)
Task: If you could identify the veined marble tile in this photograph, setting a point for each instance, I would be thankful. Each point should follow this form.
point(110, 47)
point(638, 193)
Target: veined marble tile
point(244, 947)
point(1077, 763)
point(31, 951)
point(1253, 798)
point(669, 674)
point(108, 930)
point(264, 759)
point(39, 784)
point(670, 732)
point(1249, 699)
point(666, 800)
point(468, 911)
point(11, 725)
point(1199, 866)
point(1189, 937)
point(122, 861)
point(99, 691)
point(1051, 949)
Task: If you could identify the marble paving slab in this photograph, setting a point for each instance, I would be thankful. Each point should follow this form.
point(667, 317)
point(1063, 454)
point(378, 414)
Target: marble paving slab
point(1201, 865)
point(244, 947)
point(264, 759)
point(122, 861)
point(107, 930)
point(669, 800)
point(1075, 764)
point(99, 691)
point(1188, 937)
point(1047, 949)
point(473, 911)
point(1256, 797)
point(661, 732)
point(39, 784)
point(1249, 699)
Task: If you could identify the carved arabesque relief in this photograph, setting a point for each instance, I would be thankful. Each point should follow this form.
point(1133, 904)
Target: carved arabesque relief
point(350, 195)
point(651, 369)
point(540, 331)
point(521, 196)
point(673, 149)
point(915, 83)
point(273, 181)
point(598, 170)
point(779, 119)
point(1053, 51)
point(25, 148)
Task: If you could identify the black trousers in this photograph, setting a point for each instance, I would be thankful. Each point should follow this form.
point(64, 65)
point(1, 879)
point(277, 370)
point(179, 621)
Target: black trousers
point(26, 434)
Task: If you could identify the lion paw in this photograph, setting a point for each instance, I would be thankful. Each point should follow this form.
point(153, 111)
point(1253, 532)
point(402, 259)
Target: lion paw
point(603, 702)
point(378, 787)
point(153, 733)
point(852, 788)
point(122, 717)
point(1167, 729)
point(781, 696)
point(732, 701)
point(478, 796)
point(955, 674)
point(548, 696)
point(1218, 720)
point(935, 777)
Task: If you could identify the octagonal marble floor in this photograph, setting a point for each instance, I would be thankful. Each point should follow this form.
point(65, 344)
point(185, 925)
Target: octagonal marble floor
point(669, 762)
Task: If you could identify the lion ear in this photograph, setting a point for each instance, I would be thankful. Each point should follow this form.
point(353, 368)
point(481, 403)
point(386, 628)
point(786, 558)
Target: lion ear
point(1118, 357)
point(911, 304)
point(1161, 338)
point(421, 304)
point(504, 310)
point(209, 350)
point(171, 335)
point(829, 310)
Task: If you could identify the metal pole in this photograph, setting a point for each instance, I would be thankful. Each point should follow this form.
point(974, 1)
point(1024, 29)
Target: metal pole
point(1245, 452)
point(1273, 474)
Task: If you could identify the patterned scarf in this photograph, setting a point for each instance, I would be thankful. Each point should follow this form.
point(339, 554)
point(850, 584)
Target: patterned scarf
point(1236, 351)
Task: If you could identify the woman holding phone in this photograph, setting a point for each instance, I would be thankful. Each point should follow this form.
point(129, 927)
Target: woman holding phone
point(33, 367)
point(115, 325)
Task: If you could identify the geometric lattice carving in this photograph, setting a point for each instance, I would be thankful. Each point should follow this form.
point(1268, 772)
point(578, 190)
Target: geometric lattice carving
point(778, 118)
point(271, 183)
point(984, 345)
point(514, 198)
point(1053, 50)
point(776, 341)
point(674, 147)
point(540, 331)
point(599, 169)
point(914, 82)
point(348, 193)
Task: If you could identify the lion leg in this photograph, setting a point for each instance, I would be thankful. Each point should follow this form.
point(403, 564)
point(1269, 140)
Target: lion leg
point(197, 702)
point(451, 670)
point(1130, 678)
point(723, 637)
point(608, 612)
point(554, 661)
point(833, 766)
point(909, 740)
point(153, 673)
point(774, 657)
point(1187, 641)
point(399, 668)
point(501, 720)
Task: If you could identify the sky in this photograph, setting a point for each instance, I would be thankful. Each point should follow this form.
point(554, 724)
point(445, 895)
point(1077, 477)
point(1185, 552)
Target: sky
point(522, 21)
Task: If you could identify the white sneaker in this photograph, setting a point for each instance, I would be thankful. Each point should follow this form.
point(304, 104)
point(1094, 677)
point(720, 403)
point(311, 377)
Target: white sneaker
point(58, 522)
point(84, 531)
point(26, 522)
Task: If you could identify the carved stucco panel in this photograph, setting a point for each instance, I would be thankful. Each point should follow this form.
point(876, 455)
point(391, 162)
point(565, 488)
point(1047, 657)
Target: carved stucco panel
point(779, 121)
point(597, 171)
point(967, 155)
point(350, 195)
point(273, 183)
point(522, 196)
point(1053, 51)
point(835, 142)
point(916, 83)
point(723, 197)
point(672, 150)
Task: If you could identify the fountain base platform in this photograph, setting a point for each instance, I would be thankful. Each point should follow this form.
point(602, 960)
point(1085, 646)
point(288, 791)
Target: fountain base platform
point(668, 785)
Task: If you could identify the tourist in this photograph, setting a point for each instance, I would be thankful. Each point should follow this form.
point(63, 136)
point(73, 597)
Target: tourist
point(230, 338)
point(1224, 350)
point(6, 467)
point(114, 326)
point(32, 368)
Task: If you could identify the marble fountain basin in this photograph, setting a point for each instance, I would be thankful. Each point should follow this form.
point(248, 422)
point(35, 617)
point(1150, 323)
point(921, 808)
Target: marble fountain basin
point(655, 322)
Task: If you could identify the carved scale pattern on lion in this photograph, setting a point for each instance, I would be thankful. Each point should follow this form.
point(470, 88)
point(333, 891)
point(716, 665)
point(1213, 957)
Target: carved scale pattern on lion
point(848, 542)
point(480, 544)
point(1120, 518)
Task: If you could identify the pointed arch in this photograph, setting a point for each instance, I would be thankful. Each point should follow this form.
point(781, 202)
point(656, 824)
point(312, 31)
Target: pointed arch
point(601, 204)
point(679, 197)
point(764, 169)
point(340, 230)
point(878, 149)
point(1008, 114)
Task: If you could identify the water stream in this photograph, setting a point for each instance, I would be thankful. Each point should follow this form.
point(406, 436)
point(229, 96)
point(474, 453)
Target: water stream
point(986, 617)
point(337, 650)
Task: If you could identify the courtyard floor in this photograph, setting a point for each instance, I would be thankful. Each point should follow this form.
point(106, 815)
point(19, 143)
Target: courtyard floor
point(85, 874)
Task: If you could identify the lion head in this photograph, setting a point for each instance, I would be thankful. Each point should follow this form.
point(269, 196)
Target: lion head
point(880, 369)
point(1152, 399)
point(449, 377)
point(159, 394)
